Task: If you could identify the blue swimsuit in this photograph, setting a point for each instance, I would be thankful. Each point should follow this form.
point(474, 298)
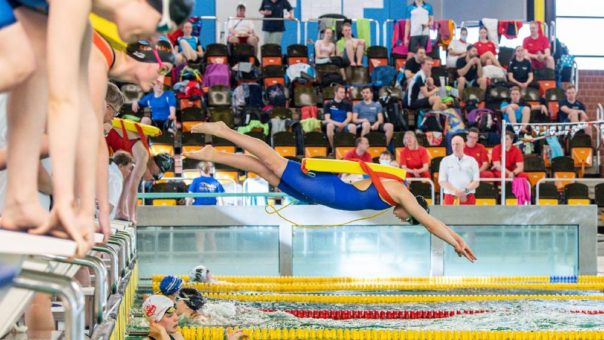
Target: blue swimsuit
point(328, 189)
point(7, 17)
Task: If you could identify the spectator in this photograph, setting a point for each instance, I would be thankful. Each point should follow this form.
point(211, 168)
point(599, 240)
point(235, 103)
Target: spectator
point(162, 105)
point(478, 152)
point(414, 158)
point(353, 49)
point(369, 116)
point(422, 91)
point(413, 64)
point(325, 48)
point(520, 71)
point(486, 48)
point(163, 320)
point(459, 175)
point(205, 183)
point(417, 27)
point(169, 286)
point(338, 115)
point(514, 161)
point(120, 167)
point(360, 151)
point(386, 158)
point(189, 46)
point(537, 48)
point(457, 48)
point(241, 30)
point(516, 110)
point(571, 110)
point(273, 29)
point(469, 70)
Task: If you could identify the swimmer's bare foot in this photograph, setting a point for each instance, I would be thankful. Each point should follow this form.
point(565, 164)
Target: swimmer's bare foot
point(204, 154)
point(214, 128)
point(64, 222)
point(23, 216)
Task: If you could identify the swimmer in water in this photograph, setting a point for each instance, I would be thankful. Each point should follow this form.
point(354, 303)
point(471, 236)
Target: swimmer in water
point(324, 188)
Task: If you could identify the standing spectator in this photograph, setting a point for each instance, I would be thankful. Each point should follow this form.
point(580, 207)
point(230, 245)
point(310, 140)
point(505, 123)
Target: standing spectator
point(241, 30)
point(414, 158)
point(538, 48)
point(189, 46)
point(120, 167)
point(360, 151)
point(520, 71)
point(478, 152)
point(419, 18)
point(571, 110)
point(273, 29)
point(205, 183)
point(369, 116)
point(163, 320)
point(459, 175)
point(469, 70)
point(413, 64)
point(422, 91)
point(353, 49)
point(516, 110)
point(486, 48)
point(162, 105)
point(514, 161)
point(338, 115)
point(457, 48)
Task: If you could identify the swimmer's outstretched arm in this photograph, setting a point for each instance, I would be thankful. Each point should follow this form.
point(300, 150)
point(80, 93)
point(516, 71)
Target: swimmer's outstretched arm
point(433, 225)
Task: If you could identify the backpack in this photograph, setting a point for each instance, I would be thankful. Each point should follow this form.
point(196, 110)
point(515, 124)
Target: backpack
point(475, 113)
point(248, 95)
point(383, 76)
point(432, 121)
point(246, 71)
point(217, 74)
point(488, 121)
point(276, 95)
point(328, 79)
point(393, 112)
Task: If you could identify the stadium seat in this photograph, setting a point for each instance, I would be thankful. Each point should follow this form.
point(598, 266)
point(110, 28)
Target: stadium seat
point(163, 143)
point(534, 167)
point(167, 187)
point(357, 75)
point(242, 53)
point(281, 112)
point(498, 94)
point(599, 194)
point(577, 194)
point(343, 142)
point(305, 96)
point(486, 194)
point(510, 198)
point(563, 168)
point(531, 96)
point(545, 85)
point(219, 95)
point(397, 140)
point(315, 145)
point(297, 54)
point(422, 189)
point(377, 143)
point(581, 152)
point(223, 171)
point(552, 98)
point(377, 56)
point(328, 93)
point(187, 103)
point(190, 117)
point(284, 143)
point(548, 194)
point(436, 151)
point(192, 142)
point(224, 114)
point(474, 94)
point(271, 55)
point(354, 94)
point(273, 74)
point(217, 54)
point(399, 61)
point(434, 170)
point(223, 144)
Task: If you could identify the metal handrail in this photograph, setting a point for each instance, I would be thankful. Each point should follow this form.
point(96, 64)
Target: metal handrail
point(385, 30)
point(114, 276)
point(543, 180)
point(69, 291)
point(296, 20)
point(432, 187)
point(373, 21)
point(121, 255)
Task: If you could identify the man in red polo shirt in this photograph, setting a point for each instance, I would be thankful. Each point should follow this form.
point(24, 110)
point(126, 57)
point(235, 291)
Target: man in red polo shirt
point(514, 161)
point(478, 152)
point(538, 49)
point(360, 151)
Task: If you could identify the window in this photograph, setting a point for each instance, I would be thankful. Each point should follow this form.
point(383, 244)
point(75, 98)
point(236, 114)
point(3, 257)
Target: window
point(577, 25)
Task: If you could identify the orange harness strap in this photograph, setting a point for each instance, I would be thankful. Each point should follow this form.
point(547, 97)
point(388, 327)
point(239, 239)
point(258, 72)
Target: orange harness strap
point(104, 48)
point(375, 177)
point(140, 134)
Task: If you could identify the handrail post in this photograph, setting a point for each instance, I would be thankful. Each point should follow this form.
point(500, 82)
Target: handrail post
point(503, 168)
point(114, 272)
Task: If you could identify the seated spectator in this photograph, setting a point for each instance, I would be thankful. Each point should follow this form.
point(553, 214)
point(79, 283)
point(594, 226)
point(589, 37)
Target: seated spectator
point(386, 158)
point(458, 175)
point(414, 158)
point(421, 93)
point(241, 30)
point(360, 151)
point(514, 161)
point(120, 167)
point(486, 48)
point(413, 64)
point(189, 46)
point(516, 110)
point(478, 152)
point(325, 48)
point(537, 48)
point(457, 48)
point(162, 105)
point(368, 116)
point(188, 306)
point(417, 27)
point(169, 286)
point(162, 317)
point(205, 183)
point(352, 49)
point(469, 69)
point(520, 71)
point(338, 115)
point(571, 110)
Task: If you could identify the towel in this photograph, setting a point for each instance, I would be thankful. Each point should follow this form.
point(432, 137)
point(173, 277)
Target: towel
point(522, 190)
point(364, 31)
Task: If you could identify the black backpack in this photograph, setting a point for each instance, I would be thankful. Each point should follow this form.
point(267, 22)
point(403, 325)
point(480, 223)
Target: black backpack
point(393, 112)
point(276, 95)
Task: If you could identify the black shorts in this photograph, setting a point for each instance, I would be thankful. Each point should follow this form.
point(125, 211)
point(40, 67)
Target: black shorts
point(418, 41)
point(360, 127)
point(420, 104)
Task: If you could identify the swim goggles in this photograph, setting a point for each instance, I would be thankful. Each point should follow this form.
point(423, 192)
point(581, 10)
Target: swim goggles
point(163, 68)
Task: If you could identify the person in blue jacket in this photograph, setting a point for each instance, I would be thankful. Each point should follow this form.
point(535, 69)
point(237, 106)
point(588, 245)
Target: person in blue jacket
point(162, 105)
point(205, 183)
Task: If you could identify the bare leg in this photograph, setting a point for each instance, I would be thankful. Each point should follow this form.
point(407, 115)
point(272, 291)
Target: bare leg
point(350, 52)
point(38, 317)
point(330, 131)
point(360, 50)
point(17, 58)
point(526, 117)
point(141, 157)
point(389, 131)
point(365, 128)
point(461, 85)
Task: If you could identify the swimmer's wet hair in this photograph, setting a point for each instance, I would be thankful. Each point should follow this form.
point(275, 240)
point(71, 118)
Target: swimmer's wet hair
point(114, 96)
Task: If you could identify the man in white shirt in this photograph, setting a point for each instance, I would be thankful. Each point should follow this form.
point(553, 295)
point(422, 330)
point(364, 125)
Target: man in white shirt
point(241, 30)
point(120, 167)
point(459, 175)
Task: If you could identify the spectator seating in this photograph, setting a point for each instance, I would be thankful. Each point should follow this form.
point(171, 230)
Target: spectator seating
point(505, 55)
point(167, 187)
point(377, 143)
point(190, 117)
point(343, 142)
point(548, 194)
point(315, 144)
point(434, 170)
point(192, 141)
point(581, 152)
point(486, 194)
point(223, 171)
point(223, 145)
point(564, 169)
point(217, 54)
point(552, 98)
point(304, 96)
point(297, 54)
point(273, 74)
point(271, 54)
point(397, 141)
point(577, 194)
point(531, 96)
point(163, 143)
point(357, 75)
point(377, 56)
point(423, 189)
point(222, 113)
point(285, 143)
point(510, 198)
point(534, 167)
